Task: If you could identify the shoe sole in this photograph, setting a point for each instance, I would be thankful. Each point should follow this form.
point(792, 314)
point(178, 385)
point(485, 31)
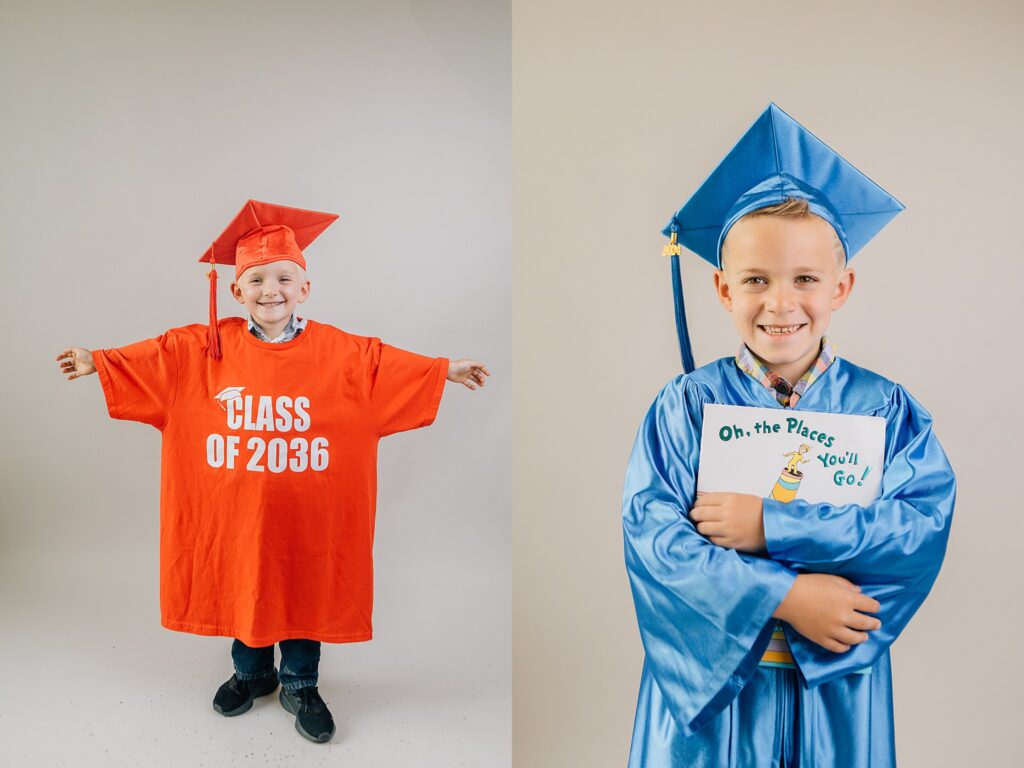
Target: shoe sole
point(246, 705)
point(287, 704)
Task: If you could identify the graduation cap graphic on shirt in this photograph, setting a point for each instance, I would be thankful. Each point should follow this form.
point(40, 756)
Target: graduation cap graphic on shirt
point(777, 158)
point(228, 393)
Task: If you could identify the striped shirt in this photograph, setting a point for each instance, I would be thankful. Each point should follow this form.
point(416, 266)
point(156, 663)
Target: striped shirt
point(778, 653)
point(294, 328)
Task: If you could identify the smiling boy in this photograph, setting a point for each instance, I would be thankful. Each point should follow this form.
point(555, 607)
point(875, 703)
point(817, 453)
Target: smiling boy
point(270, 293)
point(766, 625)
point(270, 428)
point(783, 274)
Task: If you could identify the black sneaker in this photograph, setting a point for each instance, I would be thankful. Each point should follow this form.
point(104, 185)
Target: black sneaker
point(235, 696)
point(312, 718)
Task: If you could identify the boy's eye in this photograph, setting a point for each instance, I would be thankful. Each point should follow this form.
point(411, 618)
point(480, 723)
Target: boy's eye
point(752, 279)
point(808, 278)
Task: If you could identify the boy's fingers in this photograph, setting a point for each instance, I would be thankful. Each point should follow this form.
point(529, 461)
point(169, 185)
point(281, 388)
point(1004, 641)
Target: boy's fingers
point(863, 622)
point(847, 583)
point(707, 514)
point(835, 646)
point(851, 637)
point(867, 604)
point(711, 529)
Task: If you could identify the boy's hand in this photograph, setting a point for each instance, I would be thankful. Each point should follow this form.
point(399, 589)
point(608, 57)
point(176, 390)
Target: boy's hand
point(732, 520)
point(469, 373)
point(76, 361)
point(829, 610)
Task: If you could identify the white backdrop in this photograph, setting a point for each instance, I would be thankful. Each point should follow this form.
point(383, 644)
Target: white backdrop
point(131, 134)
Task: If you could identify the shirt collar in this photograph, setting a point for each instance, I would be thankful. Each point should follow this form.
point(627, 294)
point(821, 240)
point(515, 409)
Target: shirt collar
point(787, 394)
point(294, 327)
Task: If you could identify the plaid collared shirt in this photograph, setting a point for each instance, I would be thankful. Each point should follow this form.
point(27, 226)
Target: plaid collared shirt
point(294, 328)
point(787, 394)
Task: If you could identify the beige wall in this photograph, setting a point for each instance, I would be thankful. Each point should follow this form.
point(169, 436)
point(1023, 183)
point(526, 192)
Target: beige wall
point(621, 110)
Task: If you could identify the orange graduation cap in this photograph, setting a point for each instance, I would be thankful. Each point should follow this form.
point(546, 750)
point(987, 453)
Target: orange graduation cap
point(260, 233)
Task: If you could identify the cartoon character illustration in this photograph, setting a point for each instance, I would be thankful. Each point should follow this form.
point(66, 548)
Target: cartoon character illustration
point(798, 458)
point(228, 393)
point(788, 484)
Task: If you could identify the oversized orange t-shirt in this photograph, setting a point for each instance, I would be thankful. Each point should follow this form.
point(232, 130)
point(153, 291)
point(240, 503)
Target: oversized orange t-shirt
point(269, 472)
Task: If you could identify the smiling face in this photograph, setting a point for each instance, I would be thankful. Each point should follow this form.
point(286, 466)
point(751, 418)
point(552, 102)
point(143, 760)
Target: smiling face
point(782, 278)
point(270, 292)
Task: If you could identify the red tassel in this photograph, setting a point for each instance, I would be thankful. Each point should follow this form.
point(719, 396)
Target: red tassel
point(212, 348)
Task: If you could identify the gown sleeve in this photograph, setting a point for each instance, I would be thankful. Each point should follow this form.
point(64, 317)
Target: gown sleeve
point(406, 388)
point(704, 612)
point(892, 548)
point(140, 380)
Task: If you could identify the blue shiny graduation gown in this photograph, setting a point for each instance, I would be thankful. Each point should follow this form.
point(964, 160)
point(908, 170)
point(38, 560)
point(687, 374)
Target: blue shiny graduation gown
point(705, 612)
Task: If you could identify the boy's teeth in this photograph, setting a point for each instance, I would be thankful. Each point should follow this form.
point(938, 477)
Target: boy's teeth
point(773, 329)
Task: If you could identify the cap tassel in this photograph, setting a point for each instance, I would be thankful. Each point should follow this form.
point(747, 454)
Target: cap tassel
point(675, 250)
point(212, 348)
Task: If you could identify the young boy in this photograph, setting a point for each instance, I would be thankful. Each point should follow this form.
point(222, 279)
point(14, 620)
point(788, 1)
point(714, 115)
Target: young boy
point(268, 481)
point(767, 625)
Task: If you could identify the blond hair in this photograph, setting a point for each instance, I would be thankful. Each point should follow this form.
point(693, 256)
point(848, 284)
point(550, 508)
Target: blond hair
point(791, 207)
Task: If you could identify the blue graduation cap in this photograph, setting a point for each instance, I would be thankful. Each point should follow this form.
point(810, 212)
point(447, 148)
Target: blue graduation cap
point(776, 158)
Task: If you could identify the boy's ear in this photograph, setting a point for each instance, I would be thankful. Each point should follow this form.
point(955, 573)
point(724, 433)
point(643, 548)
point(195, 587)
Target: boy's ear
point(237, 293)
point(843, 288)
point(303, 292)
point(722, 289)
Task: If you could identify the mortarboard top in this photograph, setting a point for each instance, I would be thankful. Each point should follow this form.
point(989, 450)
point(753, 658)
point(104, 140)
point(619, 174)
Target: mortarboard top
point(263, 232)
point(260, 233)
point(777, 158)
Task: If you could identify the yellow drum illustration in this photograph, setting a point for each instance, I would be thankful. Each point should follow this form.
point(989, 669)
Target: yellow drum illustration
point(786, 486)
point(789, 479)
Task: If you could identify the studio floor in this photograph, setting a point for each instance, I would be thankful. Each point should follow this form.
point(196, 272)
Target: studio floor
point(100, 683)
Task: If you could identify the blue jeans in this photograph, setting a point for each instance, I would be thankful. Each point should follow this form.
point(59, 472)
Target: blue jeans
point(300, 661)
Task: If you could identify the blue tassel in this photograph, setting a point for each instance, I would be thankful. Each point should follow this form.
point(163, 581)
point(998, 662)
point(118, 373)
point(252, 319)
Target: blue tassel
point(685, 352)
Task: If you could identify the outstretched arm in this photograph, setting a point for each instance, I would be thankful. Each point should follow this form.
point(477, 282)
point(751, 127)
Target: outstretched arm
point(470, 373)
point(139, 380)
point(76, 361)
